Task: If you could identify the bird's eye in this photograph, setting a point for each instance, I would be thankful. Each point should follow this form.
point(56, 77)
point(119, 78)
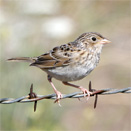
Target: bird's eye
point(93, 38)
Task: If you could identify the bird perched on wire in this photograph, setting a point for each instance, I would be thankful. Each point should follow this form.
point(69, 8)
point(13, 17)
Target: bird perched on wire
point(70, 62)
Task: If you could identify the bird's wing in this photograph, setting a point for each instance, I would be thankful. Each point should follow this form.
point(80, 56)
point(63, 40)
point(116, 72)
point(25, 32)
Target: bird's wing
point(59, 56)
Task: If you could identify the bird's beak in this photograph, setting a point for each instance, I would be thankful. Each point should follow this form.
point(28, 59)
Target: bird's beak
point(105, 41)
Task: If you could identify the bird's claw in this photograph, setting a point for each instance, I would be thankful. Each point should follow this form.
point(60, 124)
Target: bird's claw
point(59, 96)
point(86, 92)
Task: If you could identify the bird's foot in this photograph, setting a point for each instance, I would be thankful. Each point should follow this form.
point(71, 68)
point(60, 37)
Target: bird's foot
point(59, 96)
point(85, 92)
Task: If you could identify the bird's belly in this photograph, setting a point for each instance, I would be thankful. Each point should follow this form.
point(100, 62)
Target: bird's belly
point(68, 73)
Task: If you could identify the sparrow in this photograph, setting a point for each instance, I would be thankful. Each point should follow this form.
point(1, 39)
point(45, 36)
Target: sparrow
point(70, 62)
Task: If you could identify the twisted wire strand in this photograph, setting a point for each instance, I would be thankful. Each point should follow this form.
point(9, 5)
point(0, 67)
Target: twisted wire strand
point(28, 98)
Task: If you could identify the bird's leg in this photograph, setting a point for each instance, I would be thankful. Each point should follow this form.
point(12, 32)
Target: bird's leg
point(59, 95)
point(85, 91)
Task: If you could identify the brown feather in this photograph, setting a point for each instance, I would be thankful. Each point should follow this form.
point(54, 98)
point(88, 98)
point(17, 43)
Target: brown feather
point(23, 59)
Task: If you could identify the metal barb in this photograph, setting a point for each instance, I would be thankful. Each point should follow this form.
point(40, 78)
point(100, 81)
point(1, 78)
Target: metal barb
point(90, 86)
point(95, 103)
point(33, 95)
point(96, 96)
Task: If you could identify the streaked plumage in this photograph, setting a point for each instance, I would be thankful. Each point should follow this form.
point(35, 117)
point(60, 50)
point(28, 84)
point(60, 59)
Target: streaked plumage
point(72, 61)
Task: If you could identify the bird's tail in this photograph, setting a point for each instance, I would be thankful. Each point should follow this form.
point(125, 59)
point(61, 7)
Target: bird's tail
point(23, 59)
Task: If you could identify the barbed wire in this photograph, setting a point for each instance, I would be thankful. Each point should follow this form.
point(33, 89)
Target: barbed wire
point(33, 97)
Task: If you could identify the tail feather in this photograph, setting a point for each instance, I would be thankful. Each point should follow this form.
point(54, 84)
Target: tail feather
point(23, 59)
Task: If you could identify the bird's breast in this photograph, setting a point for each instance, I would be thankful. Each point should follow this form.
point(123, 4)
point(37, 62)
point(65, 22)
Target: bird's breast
point(73, 72)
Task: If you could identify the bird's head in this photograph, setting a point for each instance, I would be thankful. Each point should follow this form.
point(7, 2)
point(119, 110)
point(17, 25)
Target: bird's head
point(92, 39)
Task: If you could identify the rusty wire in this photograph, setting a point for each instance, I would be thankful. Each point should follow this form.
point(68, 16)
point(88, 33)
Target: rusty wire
point(33, 97)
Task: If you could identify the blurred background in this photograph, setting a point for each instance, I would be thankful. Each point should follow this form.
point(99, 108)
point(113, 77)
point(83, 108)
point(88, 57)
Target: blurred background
point(33, 27)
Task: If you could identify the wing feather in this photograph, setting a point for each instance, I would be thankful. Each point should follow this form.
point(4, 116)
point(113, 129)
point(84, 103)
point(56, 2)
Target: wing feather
point(59, 56)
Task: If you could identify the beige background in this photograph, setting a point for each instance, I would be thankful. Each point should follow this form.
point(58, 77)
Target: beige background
point(30, 28)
